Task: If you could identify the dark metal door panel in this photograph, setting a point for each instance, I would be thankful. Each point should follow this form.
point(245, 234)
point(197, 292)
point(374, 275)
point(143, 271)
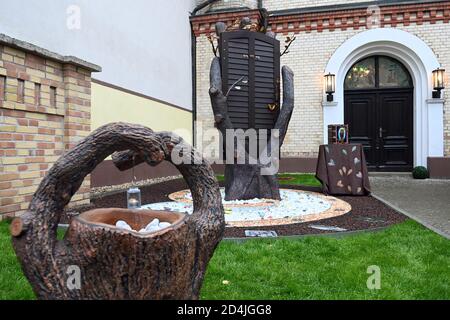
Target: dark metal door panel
point(360, 111)
point(395, 128)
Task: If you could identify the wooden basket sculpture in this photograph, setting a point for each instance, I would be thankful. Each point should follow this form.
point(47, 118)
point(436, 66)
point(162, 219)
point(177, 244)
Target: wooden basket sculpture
point(115, 263)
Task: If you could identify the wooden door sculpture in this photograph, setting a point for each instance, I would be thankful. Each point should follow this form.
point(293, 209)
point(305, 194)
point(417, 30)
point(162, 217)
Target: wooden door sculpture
point(245, 94)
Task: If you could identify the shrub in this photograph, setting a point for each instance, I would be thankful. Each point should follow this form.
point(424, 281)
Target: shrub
point(420, 173)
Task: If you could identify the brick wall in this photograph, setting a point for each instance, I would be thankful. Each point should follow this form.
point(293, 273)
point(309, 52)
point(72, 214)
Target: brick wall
point(318, 37)
point(44, 110)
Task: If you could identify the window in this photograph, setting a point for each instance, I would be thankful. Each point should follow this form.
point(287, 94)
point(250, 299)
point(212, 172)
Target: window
point(392, 74)
point(37, 94)
point(377, 72)
point(20, 91)
point(2, 87)
point(361, 75)
point(53, 96)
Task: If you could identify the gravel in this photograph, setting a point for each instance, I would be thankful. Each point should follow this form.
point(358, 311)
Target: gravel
point(103, 191)
point(293, 204)
point(363, 207)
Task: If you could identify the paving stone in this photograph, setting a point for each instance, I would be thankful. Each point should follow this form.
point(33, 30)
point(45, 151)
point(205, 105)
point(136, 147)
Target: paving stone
point(261, 233)
point(327, 228)
point(426, 201)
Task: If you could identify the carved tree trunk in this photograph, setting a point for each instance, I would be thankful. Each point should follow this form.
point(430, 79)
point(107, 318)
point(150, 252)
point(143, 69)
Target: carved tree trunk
point(247, 181)
point(117, 264)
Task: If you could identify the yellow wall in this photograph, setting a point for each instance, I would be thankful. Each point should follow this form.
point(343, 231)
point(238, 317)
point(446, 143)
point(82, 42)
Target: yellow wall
point(112, 105)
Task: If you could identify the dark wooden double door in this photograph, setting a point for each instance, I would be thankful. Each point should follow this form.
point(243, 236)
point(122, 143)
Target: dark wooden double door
point(382, 121)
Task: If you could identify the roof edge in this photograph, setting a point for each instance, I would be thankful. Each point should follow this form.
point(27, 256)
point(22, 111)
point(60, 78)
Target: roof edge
point(31, 48)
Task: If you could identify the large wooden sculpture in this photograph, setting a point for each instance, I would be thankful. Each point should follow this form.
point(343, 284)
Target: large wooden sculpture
point(114, 263)
point(255, 57)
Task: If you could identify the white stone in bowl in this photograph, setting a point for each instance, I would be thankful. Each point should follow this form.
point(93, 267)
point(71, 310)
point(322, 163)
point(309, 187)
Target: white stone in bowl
point(163, 225)
point(155, 222)
point(123, 225)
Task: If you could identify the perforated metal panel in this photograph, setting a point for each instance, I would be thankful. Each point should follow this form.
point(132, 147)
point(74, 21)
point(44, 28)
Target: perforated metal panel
point(254, 59)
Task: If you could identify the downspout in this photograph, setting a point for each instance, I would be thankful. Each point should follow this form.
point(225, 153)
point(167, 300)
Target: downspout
point(194, 69)
point(194, 84)
point(264, 21)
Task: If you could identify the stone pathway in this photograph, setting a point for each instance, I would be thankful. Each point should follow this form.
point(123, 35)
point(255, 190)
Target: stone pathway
point(426, 201)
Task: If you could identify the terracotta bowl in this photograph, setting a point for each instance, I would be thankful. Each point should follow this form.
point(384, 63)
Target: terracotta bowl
point(137, 219)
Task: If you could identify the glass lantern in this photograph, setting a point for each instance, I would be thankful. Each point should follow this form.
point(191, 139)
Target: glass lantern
point(330, 84)
point(134, 198)
point(438, 82)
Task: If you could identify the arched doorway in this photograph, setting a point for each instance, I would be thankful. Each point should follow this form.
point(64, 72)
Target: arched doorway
point(378, 107)
point(420, 61)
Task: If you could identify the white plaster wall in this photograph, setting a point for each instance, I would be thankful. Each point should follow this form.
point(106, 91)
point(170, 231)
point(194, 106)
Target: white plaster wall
point(142, 45)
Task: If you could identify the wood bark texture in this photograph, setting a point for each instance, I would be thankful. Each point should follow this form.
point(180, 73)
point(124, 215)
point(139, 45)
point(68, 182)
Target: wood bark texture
point(117, 264)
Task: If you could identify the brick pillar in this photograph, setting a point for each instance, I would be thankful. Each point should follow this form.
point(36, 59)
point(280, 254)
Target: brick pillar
point(45, 109)
point(77, 117)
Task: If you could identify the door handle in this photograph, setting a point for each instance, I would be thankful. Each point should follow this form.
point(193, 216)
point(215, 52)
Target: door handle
point(380, 132)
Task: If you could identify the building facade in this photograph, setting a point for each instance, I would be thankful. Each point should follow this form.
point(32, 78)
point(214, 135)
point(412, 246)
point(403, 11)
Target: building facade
point(150, 64)
point(387, 41)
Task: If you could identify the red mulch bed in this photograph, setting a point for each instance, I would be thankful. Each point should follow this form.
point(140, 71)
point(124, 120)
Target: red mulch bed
point(367, 212)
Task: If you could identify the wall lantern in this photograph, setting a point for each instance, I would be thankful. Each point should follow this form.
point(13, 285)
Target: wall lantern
point(438, 82)
point(330, 86)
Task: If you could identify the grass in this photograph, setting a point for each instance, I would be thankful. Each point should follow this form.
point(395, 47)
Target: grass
point(414, 264)
point(303, 179)
point(13, 284)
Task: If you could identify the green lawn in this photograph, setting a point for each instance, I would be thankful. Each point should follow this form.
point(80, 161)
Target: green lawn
point(414, 263)
point(13, 284)
point(304, 179)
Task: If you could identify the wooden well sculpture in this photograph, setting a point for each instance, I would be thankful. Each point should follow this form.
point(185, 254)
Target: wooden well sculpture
point(245, 94)
point(115, 263)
